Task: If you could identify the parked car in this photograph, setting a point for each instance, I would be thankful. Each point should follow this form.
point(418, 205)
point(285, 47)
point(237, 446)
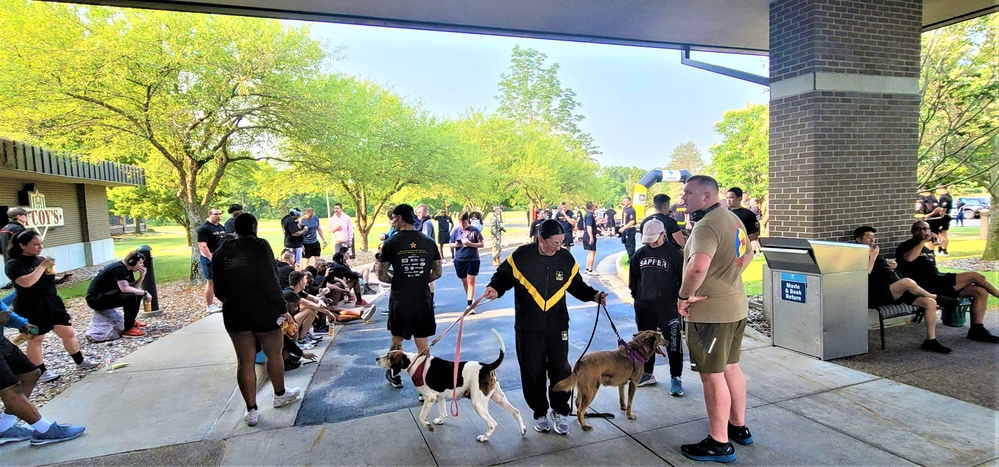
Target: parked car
point(972, 206)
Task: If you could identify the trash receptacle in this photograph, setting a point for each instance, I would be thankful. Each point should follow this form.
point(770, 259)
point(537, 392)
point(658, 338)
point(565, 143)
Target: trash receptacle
point(149, 283)
point(817, 296)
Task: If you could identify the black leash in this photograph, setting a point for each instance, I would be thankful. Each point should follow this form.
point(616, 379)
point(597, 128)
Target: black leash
point(572, 398)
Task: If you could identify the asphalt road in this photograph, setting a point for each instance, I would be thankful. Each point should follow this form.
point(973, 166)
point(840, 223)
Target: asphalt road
point(348, 384)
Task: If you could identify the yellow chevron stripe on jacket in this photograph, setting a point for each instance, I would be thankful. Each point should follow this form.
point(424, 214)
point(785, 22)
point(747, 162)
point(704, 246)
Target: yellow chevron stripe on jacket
point(542, 303)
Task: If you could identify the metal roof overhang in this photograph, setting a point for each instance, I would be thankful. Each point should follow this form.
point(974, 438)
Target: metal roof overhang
point(735, 26)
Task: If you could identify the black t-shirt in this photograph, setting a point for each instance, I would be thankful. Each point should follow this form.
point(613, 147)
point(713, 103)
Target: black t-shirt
point(923, 269)
point(245, 280)
point(563, 218)
point(945, 202)
point(283, 271)
point(291, 296)
point(291, 226)
point(610, 213)
point(927, 204)
point(24, 265)
point(107, 279)
point(211, 234)
point(668, 222)
point(230, 226)
point(588, 221)
point(748, 219)
point(535, 227)
point(878, 282)
point(412, 256)
point(628, 215)
point(9, 231)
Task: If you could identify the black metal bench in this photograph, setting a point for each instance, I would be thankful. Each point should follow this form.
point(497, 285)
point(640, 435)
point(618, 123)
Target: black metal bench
point(894, 311)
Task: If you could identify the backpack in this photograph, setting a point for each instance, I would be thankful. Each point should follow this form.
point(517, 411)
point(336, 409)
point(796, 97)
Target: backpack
point(106, 325)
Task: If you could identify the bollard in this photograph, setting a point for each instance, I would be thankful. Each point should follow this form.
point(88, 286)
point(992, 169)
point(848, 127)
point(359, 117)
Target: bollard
point(149, 282)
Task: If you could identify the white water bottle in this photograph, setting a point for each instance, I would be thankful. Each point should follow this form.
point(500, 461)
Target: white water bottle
point(109, 362)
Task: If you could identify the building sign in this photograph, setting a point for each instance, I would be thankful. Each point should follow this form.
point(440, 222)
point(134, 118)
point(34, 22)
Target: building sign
point(792, 287)
point(41, 217)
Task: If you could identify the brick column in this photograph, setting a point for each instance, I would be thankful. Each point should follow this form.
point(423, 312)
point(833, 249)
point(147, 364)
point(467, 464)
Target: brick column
point(843, 117)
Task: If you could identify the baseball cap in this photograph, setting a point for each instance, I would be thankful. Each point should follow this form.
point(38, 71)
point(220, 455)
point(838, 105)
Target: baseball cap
point(651, 231)
point(295, 212)
point(406, 212)
point(14, 212)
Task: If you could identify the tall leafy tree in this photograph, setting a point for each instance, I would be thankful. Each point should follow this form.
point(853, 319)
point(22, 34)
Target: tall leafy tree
point(959, 111)
point(685, 156)
point(741, 158)
point(368, 143)
point(197, 91)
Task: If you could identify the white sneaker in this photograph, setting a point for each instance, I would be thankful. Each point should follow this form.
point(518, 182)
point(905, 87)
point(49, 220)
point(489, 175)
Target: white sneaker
point(49, 375)
point(251, 417)
point(86, 364)
point(290, 394)
point(213, 308)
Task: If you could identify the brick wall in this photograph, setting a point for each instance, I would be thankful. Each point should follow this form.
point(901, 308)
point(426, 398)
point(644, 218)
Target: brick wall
point(97, 212)
point(61, 195)
point(840, 159)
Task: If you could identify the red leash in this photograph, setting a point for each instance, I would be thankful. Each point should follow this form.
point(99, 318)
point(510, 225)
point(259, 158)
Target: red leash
point(457, 351)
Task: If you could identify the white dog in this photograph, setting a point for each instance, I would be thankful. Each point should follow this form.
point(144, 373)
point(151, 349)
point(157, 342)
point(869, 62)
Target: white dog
point(434, 379)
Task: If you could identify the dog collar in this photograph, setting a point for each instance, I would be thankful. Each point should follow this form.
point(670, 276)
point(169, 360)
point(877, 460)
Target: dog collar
point(634, 354)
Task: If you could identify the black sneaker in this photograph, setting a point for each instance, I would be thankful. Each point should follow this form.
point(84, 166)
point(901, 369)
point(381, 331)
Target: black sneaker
point(933, 345)
point(394, 380)
point(709, 450)
point(982, 335)
point(741, 434)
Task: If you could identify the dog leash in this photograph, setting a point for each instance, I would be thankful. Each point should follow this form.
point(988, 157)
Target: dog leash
point(592, 334)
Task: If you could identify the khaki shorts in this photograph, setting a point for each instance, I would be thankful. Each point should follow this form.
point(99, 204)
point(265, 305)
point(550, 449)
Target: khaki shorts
point(714, 345)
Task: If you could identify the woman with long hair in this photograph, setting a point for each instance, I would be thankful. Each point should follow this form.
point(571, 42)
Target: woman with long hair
point(34, 280)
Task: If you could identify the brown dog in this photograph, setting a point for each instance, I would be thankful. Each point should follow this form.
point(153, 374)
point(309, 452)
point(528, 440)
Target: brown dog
point(611, 368)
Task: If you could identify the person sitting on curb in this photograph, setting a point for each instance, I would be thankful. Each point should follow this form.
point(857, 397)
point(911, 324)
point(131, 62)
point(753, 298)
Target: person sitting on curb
point(919, 263)
point(18, 377)
point(285, 265)
point(116, 286)
point(884, 288)
point(304, 307)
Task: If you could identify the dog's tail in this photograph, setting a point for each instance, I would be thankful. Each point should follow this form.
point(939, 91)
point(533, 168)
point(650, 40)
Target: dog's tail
point(494, 365)
point(566, 384)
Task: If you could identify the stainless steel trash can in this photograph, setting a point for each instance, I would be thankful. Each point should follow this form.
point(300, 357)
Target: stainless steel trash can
point(817, 295)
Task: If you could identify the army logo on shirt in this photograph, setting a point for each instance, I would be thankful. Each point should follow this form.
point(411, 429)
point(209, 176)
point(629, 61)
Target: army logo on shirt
point(559, 276)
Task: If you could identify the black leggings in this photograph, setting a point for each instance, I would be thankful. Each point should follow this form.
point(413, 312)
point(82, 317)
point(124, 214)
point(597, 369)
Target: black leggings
point(129, 303)
point(649, 319)
point(542, 355)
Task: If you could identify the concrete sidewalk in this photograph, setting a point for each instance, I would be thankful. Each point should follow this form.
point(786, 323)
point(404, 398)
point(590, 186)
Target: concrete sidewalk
point(177, 404)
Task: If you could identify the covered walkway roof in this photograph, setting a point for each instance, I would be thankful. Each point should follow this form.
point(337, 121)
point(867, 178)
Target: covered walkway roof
point(738, 26)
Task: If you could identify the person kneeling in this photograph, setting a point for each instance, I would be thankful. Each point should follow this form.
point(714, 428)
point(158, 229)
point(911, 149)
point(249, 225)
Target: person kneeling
point(116, 286)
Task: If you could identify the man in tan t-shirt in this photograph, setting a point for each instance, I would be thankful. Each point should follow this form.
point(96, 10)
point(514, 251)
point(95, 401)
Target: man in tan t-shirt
point(713, 300)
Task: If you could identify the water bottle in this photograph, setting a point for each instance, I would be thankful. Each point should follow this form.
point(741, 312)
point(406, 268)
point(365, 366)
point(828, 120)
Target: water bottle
point(108, 362)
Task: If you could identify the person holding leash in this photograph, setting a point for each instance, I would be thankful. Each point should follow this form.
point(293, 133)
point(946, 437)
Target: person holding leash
point(541, 273)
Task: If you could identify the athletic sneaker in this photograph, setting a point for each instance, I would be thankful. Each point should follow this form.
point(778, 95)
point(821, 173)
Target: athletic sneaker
point(648, 379)
point(982, 335)
point(361, 302)
point(561, 423)
point(251, 417)
point(472, 311)
point(740, 434)
point(542, 424)
point(86, 364)
point(385, 311)
point(709, 450)
point(395, 381)
point(134, 333)
point(49, 375)
point(56, 434)
point(933, 345)
point(139, 324)
point(289, 396)
point(213, 308)
point(675, 386)
point(15, 433)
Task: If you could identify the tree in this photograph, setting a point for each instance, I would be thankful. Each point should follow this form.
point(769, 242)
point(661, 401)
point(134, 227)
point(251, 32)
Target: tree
point(532, 94)
point(741, 158)
point(959, 111)
point(199, 92)
point(685, 157)
point(368, 142)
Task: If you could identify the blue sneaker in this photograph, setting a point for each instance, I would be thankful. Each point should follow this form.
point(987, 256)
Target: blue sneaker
point(740, 434)
point(648, 379)
point(675, 386)
point(15, 433)
point(709, 450)
point(542, 424)
point(561, 423)
point(56, 434)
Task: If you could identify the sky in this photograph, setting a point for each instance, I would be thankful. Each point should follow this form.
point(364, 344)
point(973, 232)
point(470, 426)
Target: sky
point(638, 103)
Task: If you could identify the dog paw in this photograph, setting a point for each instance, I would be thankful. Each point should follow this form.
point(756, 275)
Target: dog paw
point(482, 438)
point(587, 428)
point(523, 430)
point(624, 407)
point(438, 421)
point(632, 416)
point(429, 426)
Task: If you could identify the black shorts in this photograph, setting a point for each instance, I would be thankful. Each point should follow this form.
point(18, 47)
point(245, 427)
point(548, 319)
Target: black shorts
point(411, 316)
point(466, 268)
point(13, 363)
point(240, 319)
point(939, 225)
point(587, 246)
point(312, 250)
point(941, 285)
point(443, 238)
point(44, 312)
point(886, 298)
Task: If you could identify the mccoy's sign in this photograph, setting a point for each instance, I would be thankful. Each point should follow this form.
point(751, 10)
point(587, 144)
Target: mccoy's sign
point(41, 217)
